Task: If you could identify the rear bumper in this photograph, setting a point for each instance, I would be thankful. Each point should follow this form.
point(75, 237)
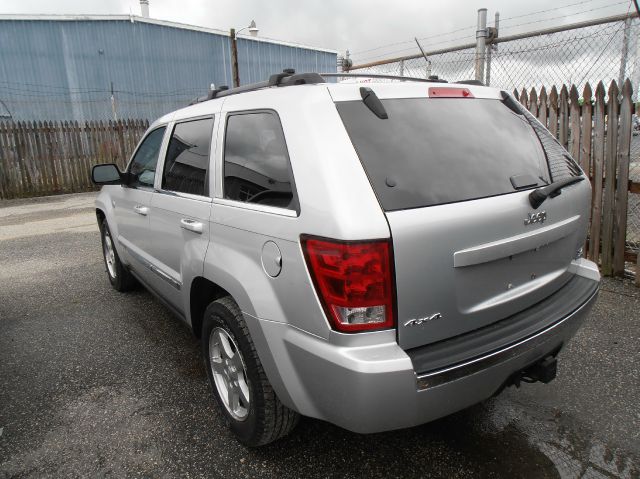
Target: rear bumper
point(367, 383)
point(540, 341)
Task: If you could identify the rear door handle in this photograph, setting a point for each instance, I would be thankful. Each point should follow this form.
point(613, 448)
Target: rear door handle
point(191, 225)
point(141, 210)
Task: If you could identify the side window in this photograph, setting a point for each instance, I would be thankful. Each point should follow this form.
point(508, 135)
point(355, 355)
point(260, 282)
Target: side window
point(256, 162)
point(187, 162)
point(143, 164)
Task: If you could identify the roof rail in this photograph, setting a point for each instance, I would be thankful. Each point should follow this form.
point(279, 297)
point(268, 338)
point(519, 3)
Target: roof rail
point(431, 79)
point(471, 82)
point(210, 96)
point(288, 77)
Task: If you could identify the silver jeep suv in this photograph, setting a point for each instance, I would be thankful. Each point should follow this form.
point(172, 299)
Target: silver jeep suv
point(376, 255)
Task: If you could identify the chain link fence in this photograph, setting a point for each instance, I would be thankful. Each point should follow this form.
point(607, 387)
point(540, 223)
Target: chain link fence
point(603, 50)
point(590, 53)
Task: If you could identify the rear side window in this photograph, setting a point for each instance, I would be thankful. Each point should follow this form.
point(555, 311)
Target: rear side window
point(256, 161)
point(187, 162)
point(436, 151)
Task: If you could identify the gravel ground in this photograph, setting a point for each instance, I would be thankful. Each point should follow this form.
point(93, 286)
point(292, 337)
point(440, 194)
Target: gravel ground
point(97, 383)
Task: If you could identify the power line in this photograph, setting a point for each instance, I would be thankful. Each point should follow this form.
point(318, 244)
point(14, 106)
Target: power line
point(412, 49)
point(104, 101)
point(507, 19)
point(473, 26)
point(562, 16)
point(552, 10)
point(64, 90)
point(48, 94)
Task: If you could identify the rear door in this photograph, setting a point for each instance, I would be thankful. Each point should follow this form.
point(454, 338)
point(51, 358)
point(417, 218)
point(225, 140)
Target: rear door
point(453, 175)
point(180, 224)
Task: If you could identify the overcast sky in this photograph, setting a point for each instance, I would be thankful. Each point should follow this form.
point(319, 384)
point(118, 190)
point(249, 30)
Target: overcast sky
point(359, 25)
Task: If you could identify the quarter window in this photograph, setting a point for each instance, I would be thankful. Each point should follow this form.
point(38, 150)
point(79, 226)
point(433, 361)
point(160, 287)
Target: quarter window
point(143, 164)
point(256, 162)
point(187, 162)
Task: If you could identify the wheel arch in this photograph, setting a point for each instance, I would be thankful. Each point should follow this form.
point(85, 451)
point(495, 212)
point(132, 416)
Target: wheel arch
point(202, 292)
point(100, 216)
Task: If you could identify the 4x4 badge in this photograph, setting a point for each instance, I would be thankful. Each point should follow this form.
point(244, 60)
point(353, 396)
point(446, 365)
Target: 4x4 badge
point(539, 217)
point(419, 321)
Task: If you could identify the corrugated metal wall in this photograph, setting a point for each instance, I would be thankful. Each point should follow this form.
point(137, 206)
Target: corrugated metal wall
point(65, 70)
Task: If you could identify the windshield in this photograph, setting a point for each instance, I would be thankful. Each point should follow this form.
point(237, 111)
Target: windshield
point(435, 151)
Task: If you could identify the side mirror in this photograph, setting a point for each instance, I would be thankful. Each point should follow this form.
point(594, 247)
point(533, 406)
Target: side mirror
point(106, 174)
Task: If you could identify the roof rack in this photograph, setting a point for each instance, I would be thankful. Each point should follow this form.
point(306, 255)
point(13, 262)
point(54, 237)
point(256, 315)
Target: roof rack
point(288, 77)
point(431, 79)
point(471, 82)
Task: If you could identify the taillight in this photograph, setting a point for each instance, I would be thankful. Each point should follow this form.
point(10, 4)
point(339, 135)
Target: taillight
point(354, 281)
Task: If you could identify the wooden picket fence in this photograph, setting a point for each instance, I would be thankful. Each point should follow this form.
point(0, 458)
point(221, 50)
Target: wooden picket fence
point(596, 129)
point(45, 158)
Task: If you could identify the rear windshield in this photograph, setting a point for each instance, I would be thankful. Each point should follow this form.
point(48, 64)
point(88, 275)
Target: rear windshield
point(435, 151)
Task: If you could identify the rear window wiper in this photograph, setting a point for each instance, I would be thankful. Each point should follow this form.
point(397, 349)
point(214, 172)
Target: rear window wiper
point(537, 196)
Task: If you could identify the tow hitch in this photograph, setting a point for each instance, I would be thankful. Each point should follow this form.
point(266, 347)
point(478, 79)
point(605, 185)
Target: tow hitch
point(543, 371)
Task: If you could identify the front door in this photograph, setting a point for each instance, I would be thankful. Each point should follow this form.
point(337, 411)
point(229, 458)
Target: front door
point(132, 203)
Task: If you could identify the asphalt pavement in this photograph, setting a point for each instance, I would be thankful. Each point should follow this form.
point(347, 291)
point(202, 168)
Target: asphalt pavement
point(94, 383)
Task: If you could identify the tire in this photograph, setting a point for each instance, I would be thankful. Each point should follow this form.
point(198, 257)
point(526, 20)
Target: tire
point(119, 276)
point(250, 406)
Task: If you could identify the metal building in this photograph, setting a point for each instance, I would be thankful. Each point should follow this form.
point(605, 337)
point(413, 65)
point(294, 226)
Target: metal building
point(104, 67)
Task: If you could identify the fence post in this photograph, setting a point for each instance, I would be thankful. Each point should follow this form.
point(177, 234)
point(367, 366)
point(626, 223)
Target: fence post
point(533, 102)
point(5, 171)
point(622, 191)
point(609, 180)
point(585, 126)
point(542, 109)
point(574, 118)
point(625, 51)
point(524, 98)
point(492, 47)
point(20, 149)
point(598, 161)
point(49, 141)
point(585, 131)
point(553, 111)
point(563, 117)
point(481, 37)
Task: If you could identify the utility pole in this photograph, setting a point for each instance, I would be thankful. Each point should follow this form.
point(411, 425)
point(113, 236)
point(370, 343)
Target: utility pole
point(114, 112)
point(481, 37)
point(234, 58)
point(233, 34)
